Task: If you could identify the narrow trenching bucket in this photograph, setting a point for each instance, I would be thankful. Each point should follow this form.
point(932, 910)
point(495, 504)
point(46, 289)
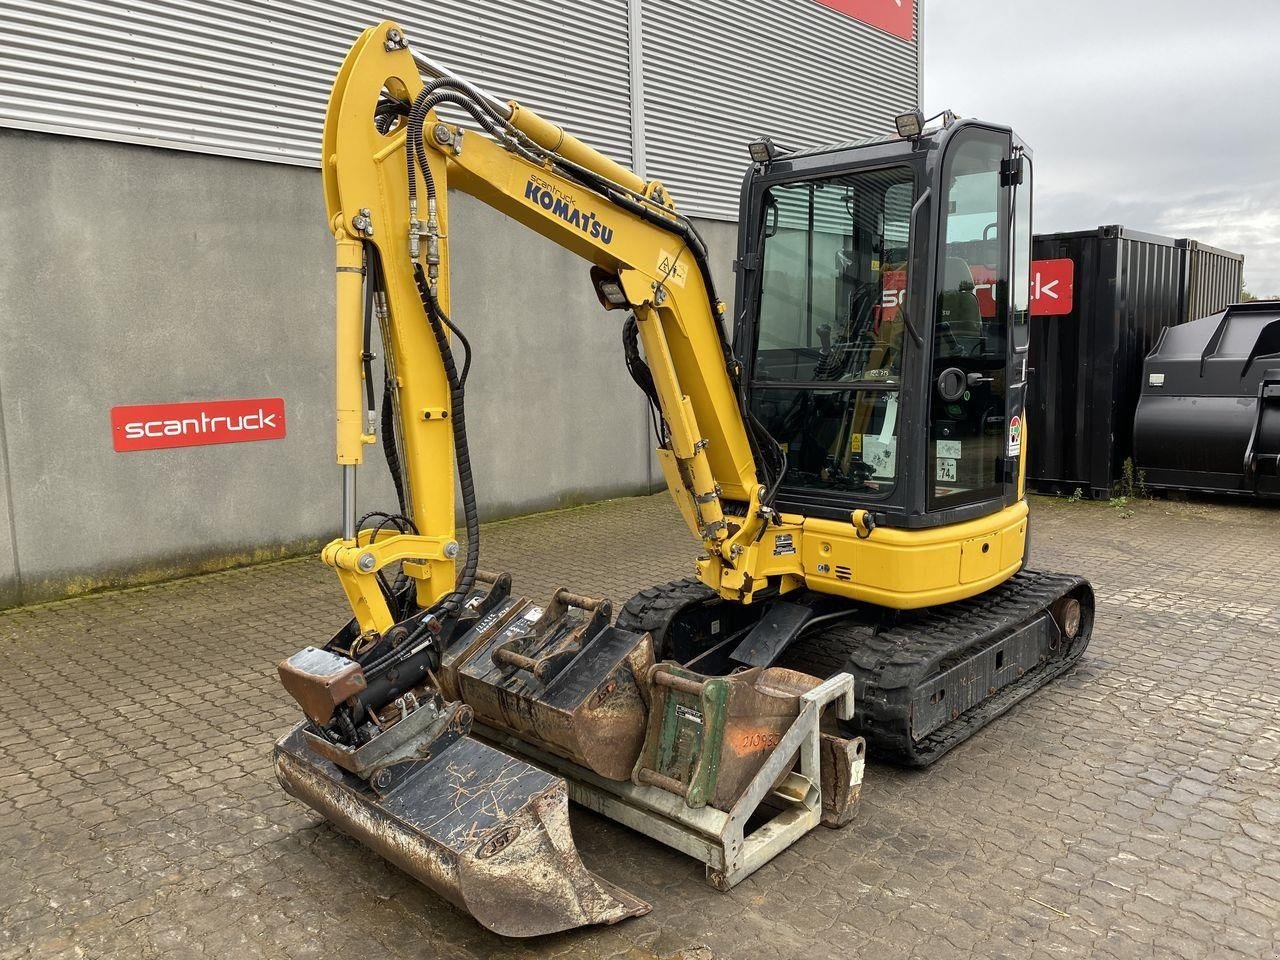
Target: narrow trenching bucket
point(485, 830)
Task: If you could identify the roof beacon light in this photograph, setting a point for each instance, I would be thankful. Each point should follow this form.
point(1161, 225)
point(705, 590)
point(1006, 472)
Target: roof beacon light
point(909, 124)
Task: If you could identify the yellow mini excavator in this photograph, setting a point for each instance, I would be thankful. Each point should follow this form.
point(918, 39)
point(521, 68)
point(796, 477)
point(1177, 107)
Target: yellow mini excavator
point(851, 463)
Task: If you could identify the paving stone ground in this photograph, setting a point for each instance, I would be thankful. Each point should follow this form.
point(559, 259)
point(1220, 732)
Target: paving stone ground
point(1130, 810)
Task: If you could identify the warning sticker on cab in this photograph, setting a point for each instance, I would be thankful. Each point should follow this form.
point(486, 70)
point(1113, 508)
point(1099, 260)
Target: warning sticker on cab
point(1015, 436)
point(672, 269)
point(951, 449)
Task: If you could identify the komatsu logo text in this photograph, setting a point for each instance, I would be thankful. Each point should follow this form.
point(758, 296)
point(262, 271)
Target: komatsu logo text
point(565, 207)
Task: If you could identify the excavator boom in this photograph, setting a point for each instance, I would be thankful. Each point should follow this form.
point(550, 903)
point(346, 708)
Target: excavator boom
point(645, 257)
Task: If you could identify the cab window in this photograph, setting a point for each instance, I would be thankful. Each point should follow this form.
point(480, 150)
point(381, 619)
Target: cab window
point(827, 363)
point(967, 423)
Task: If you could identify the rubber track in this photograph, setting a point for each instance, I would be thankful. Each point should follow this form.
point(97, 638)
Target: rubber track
point(888, 665)
point(652, 610)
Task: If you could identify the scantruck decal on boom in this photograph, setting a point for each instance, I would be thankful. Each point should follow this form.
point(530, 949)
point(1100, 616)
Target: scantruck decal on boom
point(157, 426)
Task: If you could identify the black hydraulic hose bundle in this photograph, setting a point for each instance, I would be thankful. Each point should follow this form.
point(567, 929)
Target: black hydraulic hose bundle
point(439, 322)
point(768, 454)
point(642, 375)
point(452, 603)
point(375, 288)
point(372, 278)
point(389, 450)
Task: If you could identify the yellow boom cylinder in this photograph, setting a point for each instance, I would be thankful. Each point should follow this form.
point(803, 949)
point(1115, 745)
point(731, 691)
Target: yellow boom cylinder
point(551, 137)
point(350, 322)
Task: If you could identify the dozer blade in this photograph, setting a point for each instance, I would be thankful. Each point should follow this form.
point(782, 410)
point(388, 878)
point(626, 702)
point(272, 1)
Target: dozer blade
point(486, 831)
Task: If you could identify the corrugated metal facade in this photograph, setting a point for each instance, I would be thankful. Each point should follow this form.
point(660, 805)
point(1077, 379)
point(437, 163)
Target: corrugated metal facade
point(250, 79)
point(717, 75)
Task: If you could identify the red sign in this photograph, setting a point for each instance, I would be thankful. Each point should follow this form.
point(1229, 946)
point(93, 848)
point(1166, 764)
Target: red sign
point(892, 16)
point(984, 285)
point(156, 426)
point(1052, 287)
point(893, 292)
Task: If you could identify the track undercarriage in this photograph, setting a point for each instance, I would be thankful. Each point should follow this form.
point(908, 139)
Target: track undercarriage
point(925, 680)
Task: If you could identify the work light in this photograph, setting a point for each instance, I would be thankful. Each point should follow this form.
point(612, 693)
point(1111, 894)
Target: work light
point(763, 150)
point(909, 124)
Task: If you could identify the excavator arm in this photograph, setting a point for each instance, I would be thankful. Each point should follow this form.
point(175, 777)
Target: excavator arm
point(389, 164)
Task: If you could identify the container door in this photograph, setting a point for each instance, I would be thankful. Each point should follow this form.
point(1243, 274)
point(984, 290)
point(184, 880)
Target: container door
point(974, 435)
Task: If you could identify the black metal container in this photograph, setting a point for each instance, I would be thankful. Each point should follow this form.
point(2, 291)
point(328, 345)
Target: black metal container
point(1214, 278)
point(1087, 362)
point(1209, 414)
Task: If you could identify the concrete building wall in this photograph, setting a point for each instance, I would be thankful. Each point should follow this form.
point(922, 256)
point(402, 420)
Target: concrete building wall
point(140, 275)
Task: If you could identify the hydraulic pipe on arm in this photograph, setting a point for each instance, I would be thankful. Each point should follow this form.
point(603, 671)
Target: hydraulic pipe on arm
point(382, 172)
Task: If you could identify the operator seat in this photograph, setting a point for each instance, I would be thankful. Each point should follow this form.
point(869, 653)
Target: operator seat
point(958, 306)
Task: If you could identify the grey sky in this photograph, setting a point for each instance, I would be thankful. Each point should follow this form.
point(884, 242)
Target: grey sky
point(1161, 115)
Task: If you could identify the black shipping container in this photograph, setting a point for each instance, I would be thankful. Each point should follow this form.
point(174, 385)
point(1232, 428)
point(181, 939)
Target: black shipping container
point(1087, 364)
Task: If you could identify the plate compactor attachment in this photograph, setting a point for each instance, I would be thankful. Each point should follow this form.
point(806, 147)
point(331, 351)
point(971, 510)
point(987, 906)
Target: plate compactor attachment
point(451, 747)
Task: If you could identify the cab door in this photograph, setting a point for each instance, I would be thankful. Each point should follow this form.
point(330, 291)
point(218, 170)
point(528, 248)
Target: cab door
point(975, 396)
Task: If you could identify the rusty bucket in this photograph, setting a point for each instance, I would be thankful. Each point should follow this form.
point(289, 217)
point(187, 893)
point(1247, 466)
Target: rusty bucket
point(485, 830)
point(708, 736)
point(562, 679)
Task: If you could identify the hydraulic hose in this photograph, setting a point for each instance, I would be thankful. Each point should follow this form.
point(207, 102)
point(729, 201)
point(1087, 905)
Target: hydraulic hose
point(452, 602)
point(389, 450)
point(432, 95)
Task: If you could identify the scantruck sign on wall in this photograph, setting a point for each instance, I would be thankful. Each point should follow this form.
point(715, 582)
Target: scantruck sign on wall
point(156, 426)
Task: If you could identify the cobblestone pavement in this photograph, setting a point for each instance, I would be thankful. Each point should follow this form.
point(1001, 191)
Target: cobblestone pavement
point(1130, 810)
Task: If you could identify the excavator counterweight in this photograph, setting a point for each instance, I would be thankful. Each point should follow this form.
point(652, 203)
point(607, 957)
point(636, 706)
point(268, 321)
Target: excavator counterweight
point(852, 468)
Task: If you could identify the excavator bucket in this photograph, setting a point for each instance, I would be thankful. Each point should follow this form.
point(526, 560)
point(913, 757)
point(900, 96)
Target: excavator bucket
point(563, 679)
point(463, 778)
point(485, 830)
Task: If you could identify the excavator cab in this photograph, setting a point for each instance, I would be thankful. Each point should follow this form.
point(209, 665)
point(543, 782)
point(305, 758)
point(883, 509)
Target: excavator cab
point(882, 292)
